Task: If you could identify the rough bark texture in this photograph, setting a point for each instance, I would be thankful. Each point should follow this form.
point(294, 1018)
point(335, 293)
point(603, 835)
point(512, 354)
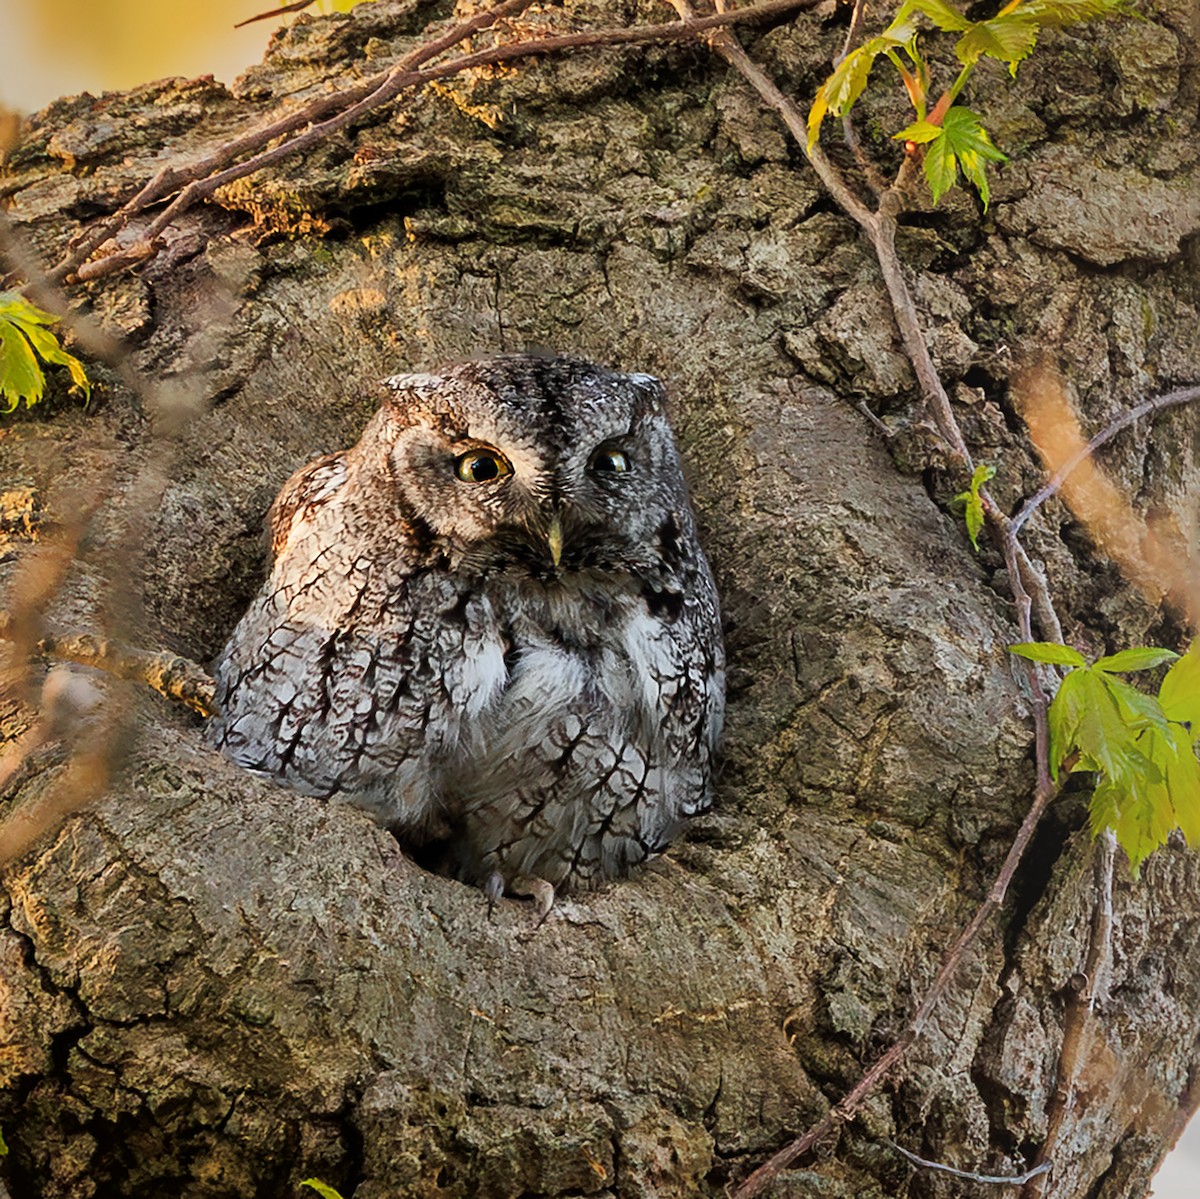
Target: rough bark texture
point(211, 987)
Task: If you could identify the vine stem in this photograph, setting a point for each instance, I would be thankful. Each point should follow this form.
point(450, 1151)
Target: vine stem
point(879, 225)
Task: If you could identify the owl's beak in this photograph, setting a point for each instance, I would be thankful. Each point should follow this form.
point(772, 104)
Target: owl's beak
point(554, 538)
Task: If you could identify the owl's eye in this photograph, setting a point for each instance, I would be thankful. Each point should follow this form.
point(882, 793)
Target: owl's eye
point(608, 462)
point(481, 466)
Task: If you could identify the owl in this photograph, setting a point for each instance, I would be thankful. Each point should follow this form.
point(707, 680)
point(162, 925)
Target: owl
point(491, 624)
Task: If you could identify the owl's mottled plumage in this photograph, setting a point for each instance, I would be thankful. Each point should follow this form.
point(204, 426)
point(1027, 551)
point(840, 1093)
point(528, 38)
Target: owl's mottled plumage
point(524, 669)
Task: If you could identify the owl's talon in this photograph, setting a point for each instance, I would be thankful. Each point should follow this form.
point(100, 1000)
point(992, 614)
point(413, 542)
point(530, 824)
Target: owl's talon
point(537, 889)
point(493, 888)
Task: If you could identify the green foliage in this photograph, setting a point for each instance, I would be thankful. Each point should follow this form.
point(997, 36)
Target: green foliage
point(974, 503)
point(24, 338)
point(954, 137)
point(3, 1146)
point(1142, 746)
point(323, 1189)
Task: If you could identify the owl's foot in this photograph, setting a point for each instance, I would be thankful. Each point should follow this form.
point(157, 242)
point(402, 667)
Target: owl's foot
point(493, 888)
point(537, 889)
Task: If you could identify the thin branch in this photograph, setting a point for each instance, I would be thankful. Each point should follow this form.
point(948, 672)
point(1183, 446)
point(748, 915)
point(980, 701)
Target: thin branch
point(845, 1111)
point(282, 10)
point(203, 177)
point(857, 19)
point(1173, 399)
point(1010, 1180)
point(169, 178)
point(1089, 987)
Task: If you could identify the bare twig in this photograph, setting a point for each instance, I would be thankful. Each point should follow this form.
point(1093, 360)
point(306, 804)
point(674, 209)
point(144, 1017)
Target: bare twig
point(1089, 987)
point(766, 1174)
point(281, 11)
point(857, 18)
point(169, 178)
point(1173, 399)
point(1011, 1180)
point(204, 176)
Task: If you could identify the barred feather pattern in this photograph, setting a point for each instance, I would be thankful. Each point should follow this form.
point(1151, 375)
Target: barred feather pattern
point(521, 674)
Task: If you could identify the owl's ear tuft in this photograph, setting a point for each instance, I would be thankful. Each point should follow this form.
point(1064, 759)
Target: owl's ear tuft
point(652, 398)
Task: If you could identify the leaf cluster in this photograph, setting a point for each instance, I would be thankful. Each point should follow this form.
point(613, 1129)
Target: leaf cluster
point(1143, 747)
point(25, 338)
point(953, 135)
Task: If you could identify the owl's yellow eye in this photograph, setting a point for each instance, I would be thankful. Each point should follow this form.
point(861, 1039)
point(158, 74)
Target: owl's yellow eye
point(609, 462)
point(482, 466)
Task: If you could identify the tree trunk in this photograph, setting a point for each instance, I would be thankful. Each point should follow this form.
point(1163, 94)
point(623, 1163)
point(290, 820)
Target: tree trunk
point(213, 987)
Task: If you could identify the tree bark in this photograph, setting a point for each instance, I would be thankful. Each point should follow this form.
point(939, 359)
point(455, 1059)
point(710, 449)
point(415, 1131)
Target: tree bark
point(213, 987)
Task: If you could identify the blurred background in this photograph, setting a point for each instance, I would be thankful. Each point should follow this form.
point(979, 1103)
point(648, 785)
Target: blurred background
point(58, 48)
point(62, 47)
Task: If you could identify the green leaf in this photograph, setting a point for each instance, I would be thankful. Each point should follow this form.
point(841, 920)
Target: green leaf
point(47, 347)
point(1149, 774)
point(1064, 716)
point(1067, 12)
point(3, 1146)
point(21, 377)
point(1103, 739)
point(1048, 651)
point(845, 85)
point(22, 332)
point(838, 93)
point(974, 501)
point(902, 29)
point(323, 1189)
point(1009, 38)
point(945, 17)
point(14, 307)
point(967, 140)
point(1181, 768)
point(941, 168)
point(1138, 710)
point(919, 132)
point(1180, 691)
point(1138, 816)
point(1144, 657)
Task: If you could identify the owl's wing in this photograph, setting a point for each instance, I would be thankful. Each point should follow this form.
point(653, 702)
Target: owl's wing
point(310, 485)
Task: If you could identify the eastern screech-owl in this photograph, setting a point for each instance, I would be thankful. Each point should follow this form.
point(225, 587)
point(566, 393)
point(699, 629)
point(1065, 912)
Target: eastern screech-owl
point(490, 623)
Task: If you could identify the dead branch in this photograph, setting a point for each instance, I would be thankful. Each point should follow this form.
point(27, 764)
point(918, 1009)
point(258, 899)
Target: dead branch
point(203, 177)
